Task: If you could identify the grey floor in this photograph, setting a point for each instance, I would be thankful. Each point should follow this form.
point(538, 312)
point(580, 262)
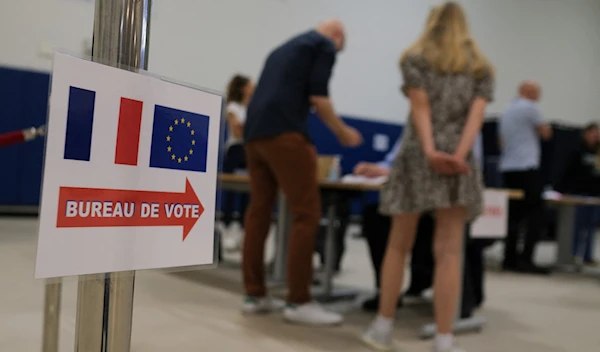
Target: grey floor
point(198, 311)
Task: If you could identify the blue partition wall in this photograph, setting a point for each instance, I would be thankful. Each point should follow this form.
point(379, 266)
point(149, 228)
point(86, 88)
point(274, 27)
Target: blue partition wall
point(24, 103)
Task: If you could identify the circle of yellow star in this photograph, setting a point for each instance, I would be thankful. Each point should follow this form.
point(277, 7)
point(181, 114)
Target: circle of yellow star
point(170, 148)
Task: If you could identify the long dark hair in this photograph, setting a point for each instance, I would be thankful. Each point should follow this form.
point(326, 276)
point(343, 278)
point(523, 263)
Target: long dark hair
point(235, 89)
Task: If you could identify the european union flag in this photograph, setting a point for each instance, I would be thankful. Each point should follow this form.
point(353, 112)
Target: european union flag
point(179, 140)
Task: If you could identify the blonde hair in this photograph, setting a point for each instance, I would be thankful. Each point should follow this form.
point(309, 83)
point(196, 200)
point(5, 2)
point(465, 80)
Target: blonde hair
point(447, 45)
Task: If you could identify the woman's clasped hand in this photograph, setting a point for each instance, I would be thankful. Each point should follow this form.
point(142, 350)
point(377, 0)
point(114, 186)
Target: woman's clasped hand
point(447, 164)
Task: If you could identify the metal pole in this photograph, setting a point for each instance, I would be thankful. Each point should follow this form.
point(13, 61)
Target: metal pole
point(89, 320)
point(51, 327)
point(283, 224)
point(330, 251)
point(105, 302)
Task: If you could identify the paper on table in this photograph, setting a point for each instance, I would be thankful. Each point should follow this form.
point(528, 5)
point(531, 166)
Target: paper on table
point(551, 195)
point(364, 180)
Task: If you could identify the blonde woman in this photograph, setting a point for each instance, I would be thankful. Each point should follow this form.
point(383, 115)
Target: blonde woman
point(449, 83)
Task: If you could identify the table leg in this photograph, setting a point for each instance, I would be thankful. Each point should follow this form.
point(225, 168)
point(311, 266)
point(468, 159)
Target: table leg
point(564, 234)
point(283, 223)
point(328, 294)
point(330, 251)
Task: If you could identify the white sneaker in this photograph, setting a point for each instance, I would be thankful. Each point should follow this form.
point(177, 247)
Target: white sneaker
point(379, 339)
point(311, 314)
point(231, 237)
point(262, 305)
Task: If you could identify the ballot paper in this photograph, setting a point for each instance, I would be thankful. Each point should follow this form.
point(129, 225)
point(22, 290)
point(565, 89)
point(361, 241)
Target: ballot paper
point(364, 180)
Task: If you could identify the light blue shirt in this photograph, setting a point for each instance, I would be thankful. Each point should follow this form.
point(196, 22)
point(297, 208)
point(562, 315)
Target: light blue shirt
point(520, 140)
point(391, 155)
point(478, 150)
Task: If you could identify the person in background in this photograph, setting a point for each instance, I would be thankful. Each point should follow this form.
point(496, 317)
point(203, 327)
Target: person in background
point(449, 83)
point(376, 227)
point(522, 126)
point(279, 154)
point(239, 93)
point(581, 177)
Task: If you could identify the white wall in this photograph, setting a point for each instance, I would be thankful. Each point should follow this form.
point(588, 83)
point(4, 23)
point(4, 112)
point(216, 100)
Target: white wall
point(205, 41)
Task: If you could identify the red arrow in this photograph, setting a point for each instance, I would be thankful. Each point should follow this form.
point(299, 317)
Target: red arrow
point(98, 207)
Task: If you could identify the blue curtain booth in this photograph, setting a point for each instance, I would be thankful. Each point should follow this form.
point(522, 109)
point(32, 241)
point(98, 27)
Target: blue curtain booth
point(24, 103)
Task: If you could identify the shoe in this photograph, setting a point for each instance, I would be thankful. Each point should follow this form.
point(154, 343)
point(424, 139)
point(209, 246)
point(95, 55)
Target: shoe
point(529, 268)
point(511, 267)
point(453, 349)
point(378, 338)
point(372, 304)
point(263, 305)
point(592, 263)
point(310, 314)
point(231, 238)
point(413, 293)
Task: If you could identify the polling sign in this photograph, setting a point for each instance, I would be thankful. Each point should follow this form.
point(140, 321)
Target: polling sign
point(130, 174)
point(493, 223)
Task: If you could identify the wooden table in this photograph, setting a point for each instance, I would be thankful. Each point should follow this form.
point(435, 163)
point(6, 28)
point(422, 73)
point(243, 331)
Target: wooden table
point(565, 205)
point(241, 183)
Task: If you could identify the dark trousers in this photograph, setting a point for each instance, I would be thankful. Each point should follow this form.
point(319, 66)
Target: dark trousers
point(528, 211)
point(235, 159)
point(376, 229)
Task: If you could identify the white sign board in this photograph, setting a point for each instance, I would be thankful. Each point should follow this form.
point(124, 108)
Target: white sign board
point(130, 172)
point(493, 222)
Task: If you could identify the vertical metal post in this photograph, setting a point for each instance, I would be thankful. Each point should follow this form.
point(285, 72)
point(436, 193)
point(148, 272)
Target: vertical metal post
point(330, 250)
point(564, 234)
point(281, 233)
point(105, 302)
point(51, 327)
point(89, 320)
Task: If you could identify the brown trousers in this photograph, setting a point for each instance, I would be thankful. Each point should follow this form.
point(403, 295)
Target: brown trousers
point(288, 162)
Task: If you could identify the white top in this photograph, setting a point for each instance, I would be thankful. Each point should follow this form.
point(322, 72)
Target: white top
point(240, 113)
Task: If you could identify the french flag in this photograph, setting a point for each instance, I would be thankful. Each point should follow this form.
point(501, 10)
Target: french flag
point(80, 121)
point(179, 138)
